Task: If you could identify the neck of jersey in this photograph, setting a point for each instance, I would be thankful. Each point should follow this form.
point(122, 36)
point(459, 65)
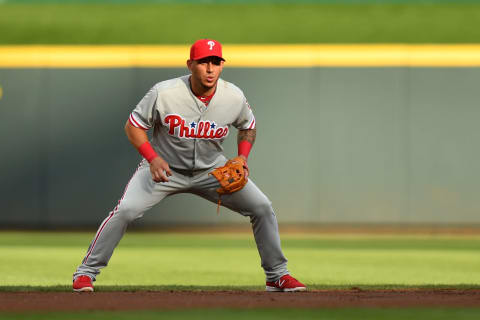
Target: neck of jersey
point(206, 99)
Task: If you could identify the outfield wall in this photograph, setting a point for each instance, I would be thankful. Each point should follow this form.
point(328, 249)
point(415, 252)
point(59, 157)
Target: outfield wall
point(335, 144)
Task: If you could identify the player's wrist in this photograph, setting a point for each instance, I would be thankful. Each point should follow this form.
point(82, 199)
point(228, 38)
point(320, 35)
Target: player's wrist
point(244, 148)
point(147, 151)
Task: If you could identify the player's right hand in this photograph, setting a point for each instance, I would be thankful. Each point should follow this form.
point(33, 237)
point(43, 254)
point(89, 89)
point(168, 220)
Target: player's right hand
point(160, 170)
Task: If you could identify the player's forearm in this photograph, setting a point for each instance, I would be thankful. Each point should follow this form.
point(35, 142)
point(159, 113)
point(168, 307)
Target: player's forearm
point(245, 141)
point(159, 168)
point(139, 139)
point(136, 136)
point(248, 135)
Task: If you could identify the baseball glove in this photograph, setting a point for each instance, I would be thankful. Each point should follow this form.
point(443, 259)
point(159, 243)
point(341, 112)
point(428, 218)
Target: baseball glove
point(231, 176)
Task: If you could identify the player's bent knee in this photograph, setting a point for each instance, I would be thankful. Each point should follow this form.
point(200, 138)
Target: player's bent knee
point(263, 209)
point(134, 215)
point(130, 212)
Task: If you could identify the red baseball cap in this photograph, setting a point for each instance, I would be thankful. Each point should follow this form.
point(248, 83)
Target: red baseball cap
point(206, 48)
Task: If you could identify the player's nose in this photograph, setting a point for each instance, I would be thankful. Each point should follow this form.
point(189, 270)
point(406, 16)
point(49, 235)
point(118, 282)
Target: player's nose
point(209, 66)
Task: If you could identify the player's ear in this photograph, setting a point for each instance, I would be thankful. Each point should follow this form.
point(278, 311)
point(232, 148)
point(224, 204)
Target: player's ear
point(189, 64)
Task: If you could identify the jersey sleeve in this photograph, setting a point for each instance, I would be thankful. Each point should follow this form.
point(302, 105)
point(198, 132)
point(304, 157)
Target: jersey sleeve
point(246, 119)
point(142, 116)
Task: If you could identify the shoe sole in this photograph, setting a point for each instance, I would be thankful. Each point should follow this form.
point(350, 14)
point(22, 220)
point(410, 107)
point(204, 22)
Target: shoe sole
point(297, 289)
point(84, 289)
point(275, 289)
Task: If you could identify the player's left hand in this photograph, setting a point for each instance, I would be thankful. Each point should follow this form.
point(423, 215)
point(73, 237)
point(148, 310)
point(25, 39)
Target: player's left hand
point(245, 165)
point(232, 176)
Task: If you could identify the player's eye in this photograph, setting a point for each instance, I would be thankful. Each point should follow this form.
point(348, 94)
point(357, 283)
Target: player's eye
point(213, 60)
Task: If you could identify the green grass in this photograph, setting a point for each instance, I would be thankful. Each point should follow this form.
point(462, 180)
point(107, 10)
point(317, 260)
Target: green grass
point(230, 261)
point(150, 23)
point(264, 314)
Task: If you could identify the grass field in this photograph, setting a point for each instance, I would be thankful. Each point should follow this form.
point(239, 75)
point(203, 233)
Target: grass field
point(185, 261)
point(265, 314)
point(199, 261)
point(149, 23)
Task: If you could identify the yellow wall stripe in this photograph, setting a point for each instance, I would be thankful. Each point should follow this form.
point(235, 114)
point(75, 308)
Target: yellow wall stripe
point(348, 55)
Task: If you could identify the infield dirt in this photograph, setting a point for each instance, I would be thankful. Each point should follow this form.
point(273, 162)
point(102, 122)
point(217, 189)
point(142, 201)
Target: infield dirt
point(141, 300)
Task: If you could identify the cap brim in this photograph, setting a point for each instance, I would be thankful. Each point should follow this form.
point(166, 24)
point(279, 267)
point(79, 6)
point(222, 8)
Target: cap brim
point(201, 57)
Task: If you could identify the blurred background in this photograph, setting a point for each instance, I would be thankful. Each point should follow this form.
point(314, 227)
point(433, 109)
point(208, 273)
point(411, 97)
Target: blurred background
point(385, 142)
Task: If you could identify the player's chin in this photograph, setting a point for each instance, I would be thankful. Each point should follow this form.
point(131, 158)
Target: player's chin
point(210, 83)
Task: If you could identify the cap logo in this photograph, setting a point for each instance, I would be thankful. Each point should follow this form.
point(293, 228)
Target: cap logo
point(211, 44)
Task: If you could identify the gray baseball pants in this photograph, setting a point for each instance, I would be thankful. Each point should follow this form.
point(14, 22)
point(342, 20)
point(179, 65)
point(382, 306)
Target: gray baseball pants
point(142, 193)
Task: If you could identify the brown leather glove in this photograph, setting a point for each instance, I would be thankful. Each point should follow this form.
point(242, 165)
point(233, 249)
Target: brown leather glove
point(231, 176)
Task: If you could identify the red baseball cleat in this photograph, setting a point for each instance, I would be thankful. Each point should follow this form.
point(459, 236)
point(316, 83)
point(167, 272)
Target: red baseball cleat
point(286, 283)
point(83, 284)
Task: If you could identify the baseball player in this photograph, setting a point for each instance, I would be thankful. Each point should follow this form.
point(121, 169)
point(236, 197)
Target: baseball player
point(190, 117)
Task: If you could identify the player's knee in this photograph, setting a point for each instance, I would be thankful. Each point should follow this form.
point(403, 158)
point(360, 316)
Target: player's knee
point(130, 211)
point(263, 209)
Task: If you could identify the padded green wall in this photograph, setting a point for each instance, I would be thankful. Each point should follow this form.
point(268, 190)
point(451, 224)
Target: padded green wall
point(353, 145)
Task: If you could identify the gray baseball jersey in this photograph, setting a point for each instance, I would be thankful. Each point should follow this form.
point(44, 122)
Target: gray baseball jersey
point(186, 133)
point(189, 136)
